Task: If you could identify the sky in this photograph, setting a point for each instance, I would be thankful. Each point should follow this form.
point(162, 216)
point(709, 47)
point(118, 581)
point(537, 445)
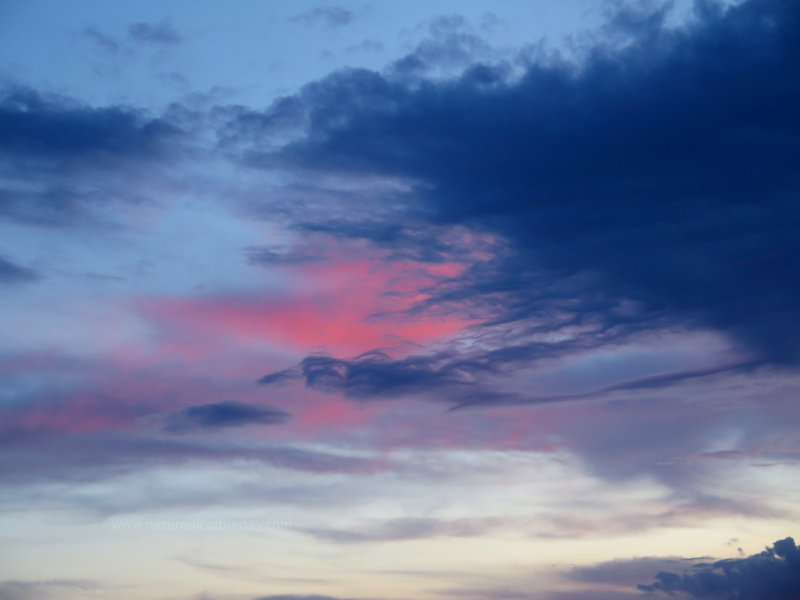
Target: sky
point(443, 300)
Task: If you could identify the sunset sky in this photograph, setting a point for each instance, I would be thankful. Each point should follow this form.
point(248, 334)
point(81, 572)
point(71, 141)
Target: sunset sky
point(441, 300)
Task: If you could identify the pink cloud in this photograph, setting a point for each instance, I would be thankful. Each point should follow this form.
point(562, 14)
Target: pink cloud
point(347, 307)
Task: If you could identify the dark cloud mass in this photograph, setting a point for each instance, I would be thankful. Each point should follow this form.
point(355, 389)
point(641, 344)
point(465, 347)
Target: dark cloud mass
point(224, 414)
point(773, 574)
point(52, 128)
point(60, 156)
point(662, 175)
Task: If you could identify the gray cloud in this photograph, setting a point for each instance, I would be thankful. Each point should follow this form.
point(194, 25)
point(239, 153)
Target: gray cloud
point(36, 590)
point(84, 457)
point(408, 529)
point(299, 597)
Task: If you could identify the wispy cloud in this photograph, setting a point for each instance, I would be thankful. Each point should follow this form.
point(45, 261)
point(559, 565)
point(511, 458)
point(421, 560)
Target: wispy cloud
point(223, 414)
point(32, 590)
point(12, 273)
point(154, 33)
point(328, 16)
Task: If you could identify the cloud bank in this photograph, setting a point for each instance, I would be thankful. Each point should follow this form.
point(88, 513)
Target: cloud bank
point(773, 574)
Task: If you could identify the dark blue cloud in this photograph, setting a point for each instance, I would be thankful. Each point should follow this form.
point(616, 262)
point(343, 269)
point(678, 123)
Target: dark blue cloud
point(418, 241)
point(626, 571)
point(65, 147)
point(56, 204)
point(33, 125)
point(224, 414)
point(773, 574)
point(12, 273)
point(373, 375)
point(663, 173)
point(461, 378)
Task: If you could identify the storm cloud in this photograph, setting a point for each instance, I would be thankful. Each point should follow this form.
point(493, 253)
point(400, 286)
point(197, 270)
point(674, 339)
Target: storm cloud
point(661, 175)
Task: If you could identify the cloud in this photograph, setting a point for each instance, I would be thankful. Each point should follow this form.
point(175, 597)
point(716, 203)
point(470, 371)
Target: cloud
point(347, 304)
point(64, 157)
point(371, 375)
point(328, 16)
point(495, 592)
point(104, 41)
point(268, 256)
point(11, 273)
point(594, 594)
point(298, 597)
point(66, 462)
point(368, 45)
point(410, 529)
point(450, 48)
point(224, 414)
point(626, 571)
point(34, 590)
point(154, 33)
point(773, 574)
point(463, 376)
point(642, 383)
point(34, 125)
point(657, 175)
point(558, 525)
